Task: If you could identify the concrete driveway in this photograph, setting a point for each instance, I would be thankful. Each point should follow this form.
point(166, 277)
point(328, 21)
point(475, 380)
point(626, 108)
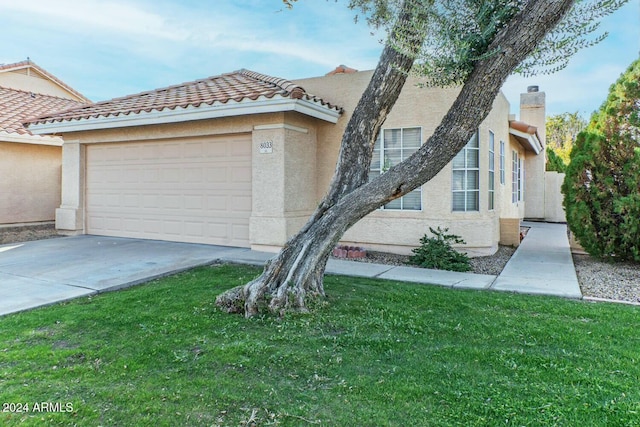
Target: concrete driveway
point(43, 272)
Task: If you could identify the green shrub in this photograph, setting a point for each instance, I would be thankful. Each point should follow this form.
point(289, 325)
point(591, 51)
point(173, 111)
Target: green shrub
point(437, 252)
point(602, 183)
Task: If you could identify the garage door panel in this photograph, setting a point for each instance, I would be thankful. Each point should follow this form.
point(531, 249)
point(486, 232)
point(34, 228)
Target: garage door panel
point(170, 151)
point(193, 203)
point(214, 149)
point(130, 201)
point(241, 175)
point(240, 150)
point(193, 150)
point(131, 224)
point(218, 175)
point(241, 204)
point(193, 191)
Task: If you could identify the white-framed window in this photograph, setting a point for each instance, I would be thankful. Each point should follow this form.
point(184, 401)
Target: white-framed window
point(520, 180)
point(466, 177)
point(392, 147)
point(492, 170)
point(517, 182)
point(502, 163)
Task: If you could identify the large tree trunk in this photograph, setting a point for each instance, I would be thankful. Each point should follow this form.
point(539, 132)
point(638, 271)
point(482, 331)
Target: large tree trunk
point(296, 273)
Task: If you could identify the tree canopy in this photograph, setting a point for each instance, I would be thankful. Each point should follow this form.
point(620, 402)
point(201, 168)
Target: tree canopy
point(562, 131)
point(458, 33)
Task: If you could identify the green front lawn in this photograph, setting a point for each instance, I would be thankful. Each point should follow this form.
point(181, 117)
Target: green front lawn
point(378, 354)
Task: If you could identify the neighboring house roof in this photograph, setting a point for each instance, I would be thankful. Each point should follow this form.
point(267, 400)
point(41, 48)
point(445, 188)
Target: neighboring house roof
point(238, 93)
point(342, 69)
point(32, 66)
point(527, 135)
point(16, 106)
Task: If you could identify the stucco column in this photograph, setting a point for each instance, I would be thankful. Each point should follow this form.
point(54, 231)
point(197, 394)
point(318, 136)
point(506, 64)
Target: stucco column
point(283, 183)
point(533, 112)
point(266, 225)
point(70, 214)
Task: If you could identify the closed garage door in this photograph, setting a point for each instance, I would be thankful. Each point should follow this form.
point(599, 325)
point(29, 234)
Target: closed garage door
point(195, 190)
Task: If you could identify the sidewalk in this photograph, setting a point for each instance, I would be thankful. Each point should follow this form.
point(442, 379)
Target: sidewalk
point(382, 271)
point(542, 264)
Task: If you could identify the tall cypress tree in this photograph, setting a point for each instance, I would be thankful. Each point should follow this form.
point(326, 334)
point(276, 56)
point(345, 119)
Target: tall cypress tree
point(602, 185)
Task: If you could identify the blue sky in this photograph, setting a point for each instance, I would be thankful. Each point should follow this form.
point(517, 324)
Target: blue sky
point(111, 48)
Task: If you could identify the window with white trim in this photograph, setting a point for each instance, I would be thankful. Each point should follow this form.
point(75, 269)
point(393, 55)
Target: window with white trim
point(520, 180)
point(492, 172)
point(502, 163)
point(392, 147)
point(516, 178)
point(466, 177)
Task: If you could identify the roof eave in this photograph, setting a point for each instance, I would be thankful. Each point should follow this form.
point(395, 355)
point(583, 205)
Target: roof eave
point(530, 141)
point(31, 139)
point(190, 113)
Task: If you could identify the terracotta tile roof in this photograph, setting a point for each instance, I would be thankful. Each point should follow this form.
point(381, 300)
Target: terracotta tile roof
point(30, 64)
point(237, 86)
point(16, 106)
point(527, 135)
point(523, 127)
point(342, 69)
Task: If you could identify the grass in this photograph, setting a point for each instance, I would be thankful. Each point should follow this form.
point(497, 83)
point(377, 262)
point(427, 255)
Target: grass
point(378, 354)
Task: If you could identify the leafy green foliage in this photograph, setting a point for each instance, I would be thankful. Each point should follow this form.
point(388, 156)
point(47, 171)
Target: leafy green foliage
point(554, 162)
point(562, 130)
point(569, 36)
point(602, 186)
point(460, 33)
point(437, 252)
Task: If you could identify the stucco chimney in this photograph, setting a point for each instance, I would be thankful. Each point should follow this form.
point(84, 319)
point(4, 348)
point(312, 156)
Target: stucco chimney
point(533, 112)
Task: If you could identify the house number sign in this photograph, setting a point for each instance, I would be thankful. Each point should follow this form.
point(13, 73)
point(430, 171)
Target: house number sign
point(266, 147)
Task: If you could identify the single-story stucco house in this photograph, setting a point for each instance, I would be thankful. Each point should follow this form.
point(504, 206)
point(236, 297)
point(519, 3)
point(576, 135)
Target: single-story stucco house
point(30, 164)
point(242, 159)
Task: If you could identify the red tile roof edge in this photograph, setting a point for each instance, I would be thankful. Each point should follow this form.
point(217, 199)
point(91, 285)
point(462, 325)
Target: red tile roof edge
point(296, 91)
point(288, 88)
point(523, 127)
point(14, 119)
point(341, 69)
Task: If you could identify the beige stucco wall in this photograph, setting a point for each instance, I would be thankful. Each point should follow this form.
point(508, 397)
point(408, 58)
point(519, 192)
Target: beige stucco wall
point(400, 231)
point(31, 81)
point(554, 211)
point(30, 184)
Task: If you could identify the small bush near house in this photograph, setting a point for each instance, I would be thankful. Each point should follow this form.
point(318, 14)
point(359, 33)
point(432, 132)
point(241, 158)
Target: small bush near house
point(437, 252)
point(602, 185)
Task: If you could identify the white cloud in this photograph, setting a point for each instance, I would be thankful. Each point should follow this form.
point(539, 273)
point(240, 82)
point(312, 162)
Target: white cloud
point(112, 16)
point(164, 31)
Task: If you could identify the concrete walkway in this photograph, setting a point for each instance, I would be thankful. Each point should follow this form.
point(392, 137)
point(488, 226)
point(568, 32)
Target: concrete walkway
point(43, 272)
point(542, 264)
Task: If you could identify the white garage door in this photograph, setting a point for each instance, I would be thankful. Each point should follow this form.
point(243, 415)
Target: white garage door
point(195, 190)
